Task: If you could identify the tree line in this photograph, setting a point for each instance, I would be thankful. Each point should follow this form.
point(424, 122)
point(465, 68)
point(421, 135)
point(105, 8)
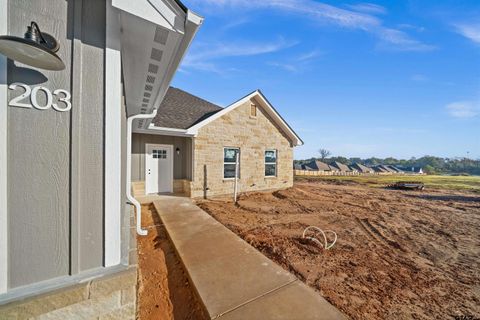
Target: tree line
point(429, 164)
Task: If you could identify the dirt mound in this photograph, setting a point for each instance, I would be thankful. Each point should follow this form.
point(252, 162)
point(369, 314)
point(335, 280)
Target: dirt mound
point(398, 256)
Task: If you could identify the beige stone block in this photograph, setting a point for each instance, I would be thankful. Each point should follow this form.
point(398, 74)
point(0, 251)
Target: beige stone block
point(117, 282)
point(124, 313)
point(129, 295)
point(87, 309)
point(132, 257)
point(42, 304)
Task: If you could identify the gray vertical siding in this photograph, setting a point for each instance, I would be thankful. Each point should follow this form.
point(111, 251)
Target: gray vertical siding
point(180, 168)
point(55, 159)
point(91, 142)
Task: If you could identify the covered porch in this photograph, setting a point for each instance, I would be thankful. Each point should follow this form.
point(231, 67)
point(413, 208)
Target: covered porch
point(161, 164)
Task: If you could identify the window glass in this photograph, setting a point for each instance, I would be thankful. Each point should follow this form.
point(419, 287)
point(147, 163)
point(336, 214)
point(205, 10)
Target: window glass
point(270, 156)
point(270, 163)
point(229, 170)
point(270, 170)
point(229, 154)
point(229, 159)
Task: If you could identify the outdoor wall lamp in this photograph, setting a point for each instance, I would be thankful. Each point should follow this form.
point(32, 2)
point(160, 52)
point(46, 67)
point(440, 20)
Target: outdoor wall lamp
point(35, 49)
point(178, 150)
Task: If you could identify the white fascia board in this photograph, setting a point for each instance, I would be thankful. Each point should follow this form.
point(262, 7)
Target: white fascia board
point(267, 107)
point(163, 131)
point(3, 156)
point(164, 13)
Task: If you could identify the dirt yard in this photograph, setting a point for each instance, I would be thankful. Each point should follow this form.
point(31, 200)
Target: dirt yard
point(399, 254)
point(164, 292)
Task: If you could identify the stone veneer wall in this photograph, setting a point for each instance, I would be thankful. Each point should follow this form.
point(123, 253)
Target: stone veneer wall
point(253, 136)
point(108, 297)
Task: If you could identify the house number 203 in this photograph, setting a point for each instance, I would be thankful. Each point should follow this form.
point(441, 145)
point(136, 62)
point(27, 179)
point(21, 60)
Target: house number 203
point(63, 96)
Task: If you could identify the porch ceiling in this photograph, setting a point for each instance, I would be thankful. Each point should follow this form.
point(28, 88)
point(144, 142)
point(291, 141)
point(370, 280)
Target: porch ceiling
point(155, 35)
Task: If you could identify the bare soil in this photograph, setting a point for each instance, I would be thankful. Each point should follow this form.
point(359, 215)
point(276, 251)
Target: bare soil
point(399, 254)
point(164, 291)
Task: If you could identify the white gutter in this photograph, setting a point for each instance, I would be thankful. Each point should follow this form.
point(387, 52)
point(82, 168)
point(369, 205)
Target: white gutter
point(138, 207)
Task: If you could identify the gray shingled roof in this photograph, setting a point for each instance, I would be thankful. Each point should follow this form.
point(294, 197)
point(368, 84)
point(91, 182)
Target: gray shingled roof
point(319, 165)
point(181, 110)
point(340, 166)
point(361, 168)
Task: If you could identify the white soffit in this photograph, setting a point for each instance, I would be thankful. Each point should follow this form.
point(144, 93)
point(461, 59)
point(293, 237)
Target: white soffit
point(159, 12)
point(155, 35)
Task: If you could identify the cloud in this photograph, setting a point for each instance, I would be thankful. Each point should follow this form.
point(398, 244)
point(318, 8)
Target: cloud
point(368, 8)
point(296, 64)
point(469, 31)
point(206, 55)
point(399, 40)
point(463, 109)
point(361, 19)
point(308, 55)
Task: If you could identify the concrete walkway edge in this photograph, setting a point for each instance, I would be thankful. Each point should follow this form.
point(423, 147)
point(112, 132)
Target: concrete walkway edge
point(232, 279)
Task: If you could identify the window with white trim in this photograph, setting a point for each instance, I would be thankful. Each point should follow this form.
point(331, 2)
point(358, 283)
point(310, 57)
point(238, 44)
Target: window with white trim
point(229, 162)
point(271, 163)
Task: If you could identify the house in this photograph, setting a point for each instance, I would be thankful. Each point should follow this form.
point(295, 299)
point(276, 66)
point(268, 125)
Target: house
point(380, 169)
point(338, 166)
point(361, 168)
point(317, 165)
point(394, 168)
point(67, 229)
point(191, 145)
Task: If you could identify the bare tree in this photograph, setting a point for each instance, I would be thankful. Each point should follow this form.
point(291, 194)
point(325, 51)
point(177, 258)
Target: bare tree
point(324, 153)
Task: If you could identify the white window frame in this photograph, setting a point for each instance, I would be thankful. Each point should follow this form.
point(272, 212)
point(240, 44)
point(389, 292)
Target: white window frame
point(270, 163)
point(224, 163)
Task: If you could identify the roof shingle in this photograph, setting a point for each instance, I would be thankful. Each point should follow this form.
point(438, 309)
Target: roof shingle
point(181, 110)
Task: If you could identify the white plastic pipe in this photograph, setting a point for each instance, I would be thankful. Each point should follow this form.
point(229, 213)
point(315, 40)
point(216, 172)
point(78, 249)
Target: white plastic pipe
point(235, 186)
point(138, 207)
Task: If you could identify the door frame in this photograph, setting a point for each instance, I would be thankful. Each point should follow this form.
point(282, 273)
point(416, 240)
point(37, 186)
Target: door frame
point(147, 159)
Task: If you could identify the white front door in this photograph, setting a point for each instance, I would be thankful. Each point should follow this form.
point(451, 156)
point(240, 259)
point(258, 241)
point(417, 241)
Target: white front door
point(158, 168)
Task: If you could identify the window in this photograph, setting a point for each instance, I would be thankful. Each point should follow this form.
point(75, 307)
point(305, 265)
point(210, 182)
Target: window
point(253, 110)
point(229, 159)
point(270, 163)
point(159, 154)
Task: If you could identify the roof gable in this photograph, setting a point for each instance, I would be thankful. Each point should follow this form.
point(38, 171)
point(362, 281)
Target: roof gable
point(267, 107)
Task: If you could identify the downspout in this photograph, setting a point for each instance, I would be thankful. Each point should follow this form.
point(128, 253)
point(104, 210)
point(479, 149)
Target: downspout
point(138, 207)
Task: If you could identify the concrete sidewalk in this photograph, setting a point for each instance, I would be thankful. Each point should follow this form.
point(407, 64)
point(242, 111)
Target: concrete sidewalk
point(233, 279)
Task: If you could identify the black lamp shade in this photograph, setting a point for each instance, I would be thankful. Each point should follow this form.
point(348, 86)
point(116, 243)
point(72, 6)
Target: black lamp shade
point(30, 52)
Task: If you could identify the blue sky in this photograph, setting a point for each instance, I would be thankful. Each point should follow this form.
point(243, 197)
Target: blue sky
point(361, 79)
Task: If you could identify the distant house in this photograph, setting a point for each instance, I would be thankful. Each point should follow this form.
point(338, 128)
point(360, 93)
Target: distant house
point(297, 166)
point(338, 166)
point(317, 165)
point(394, 168)
point(380, 169)
point(361, 168)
